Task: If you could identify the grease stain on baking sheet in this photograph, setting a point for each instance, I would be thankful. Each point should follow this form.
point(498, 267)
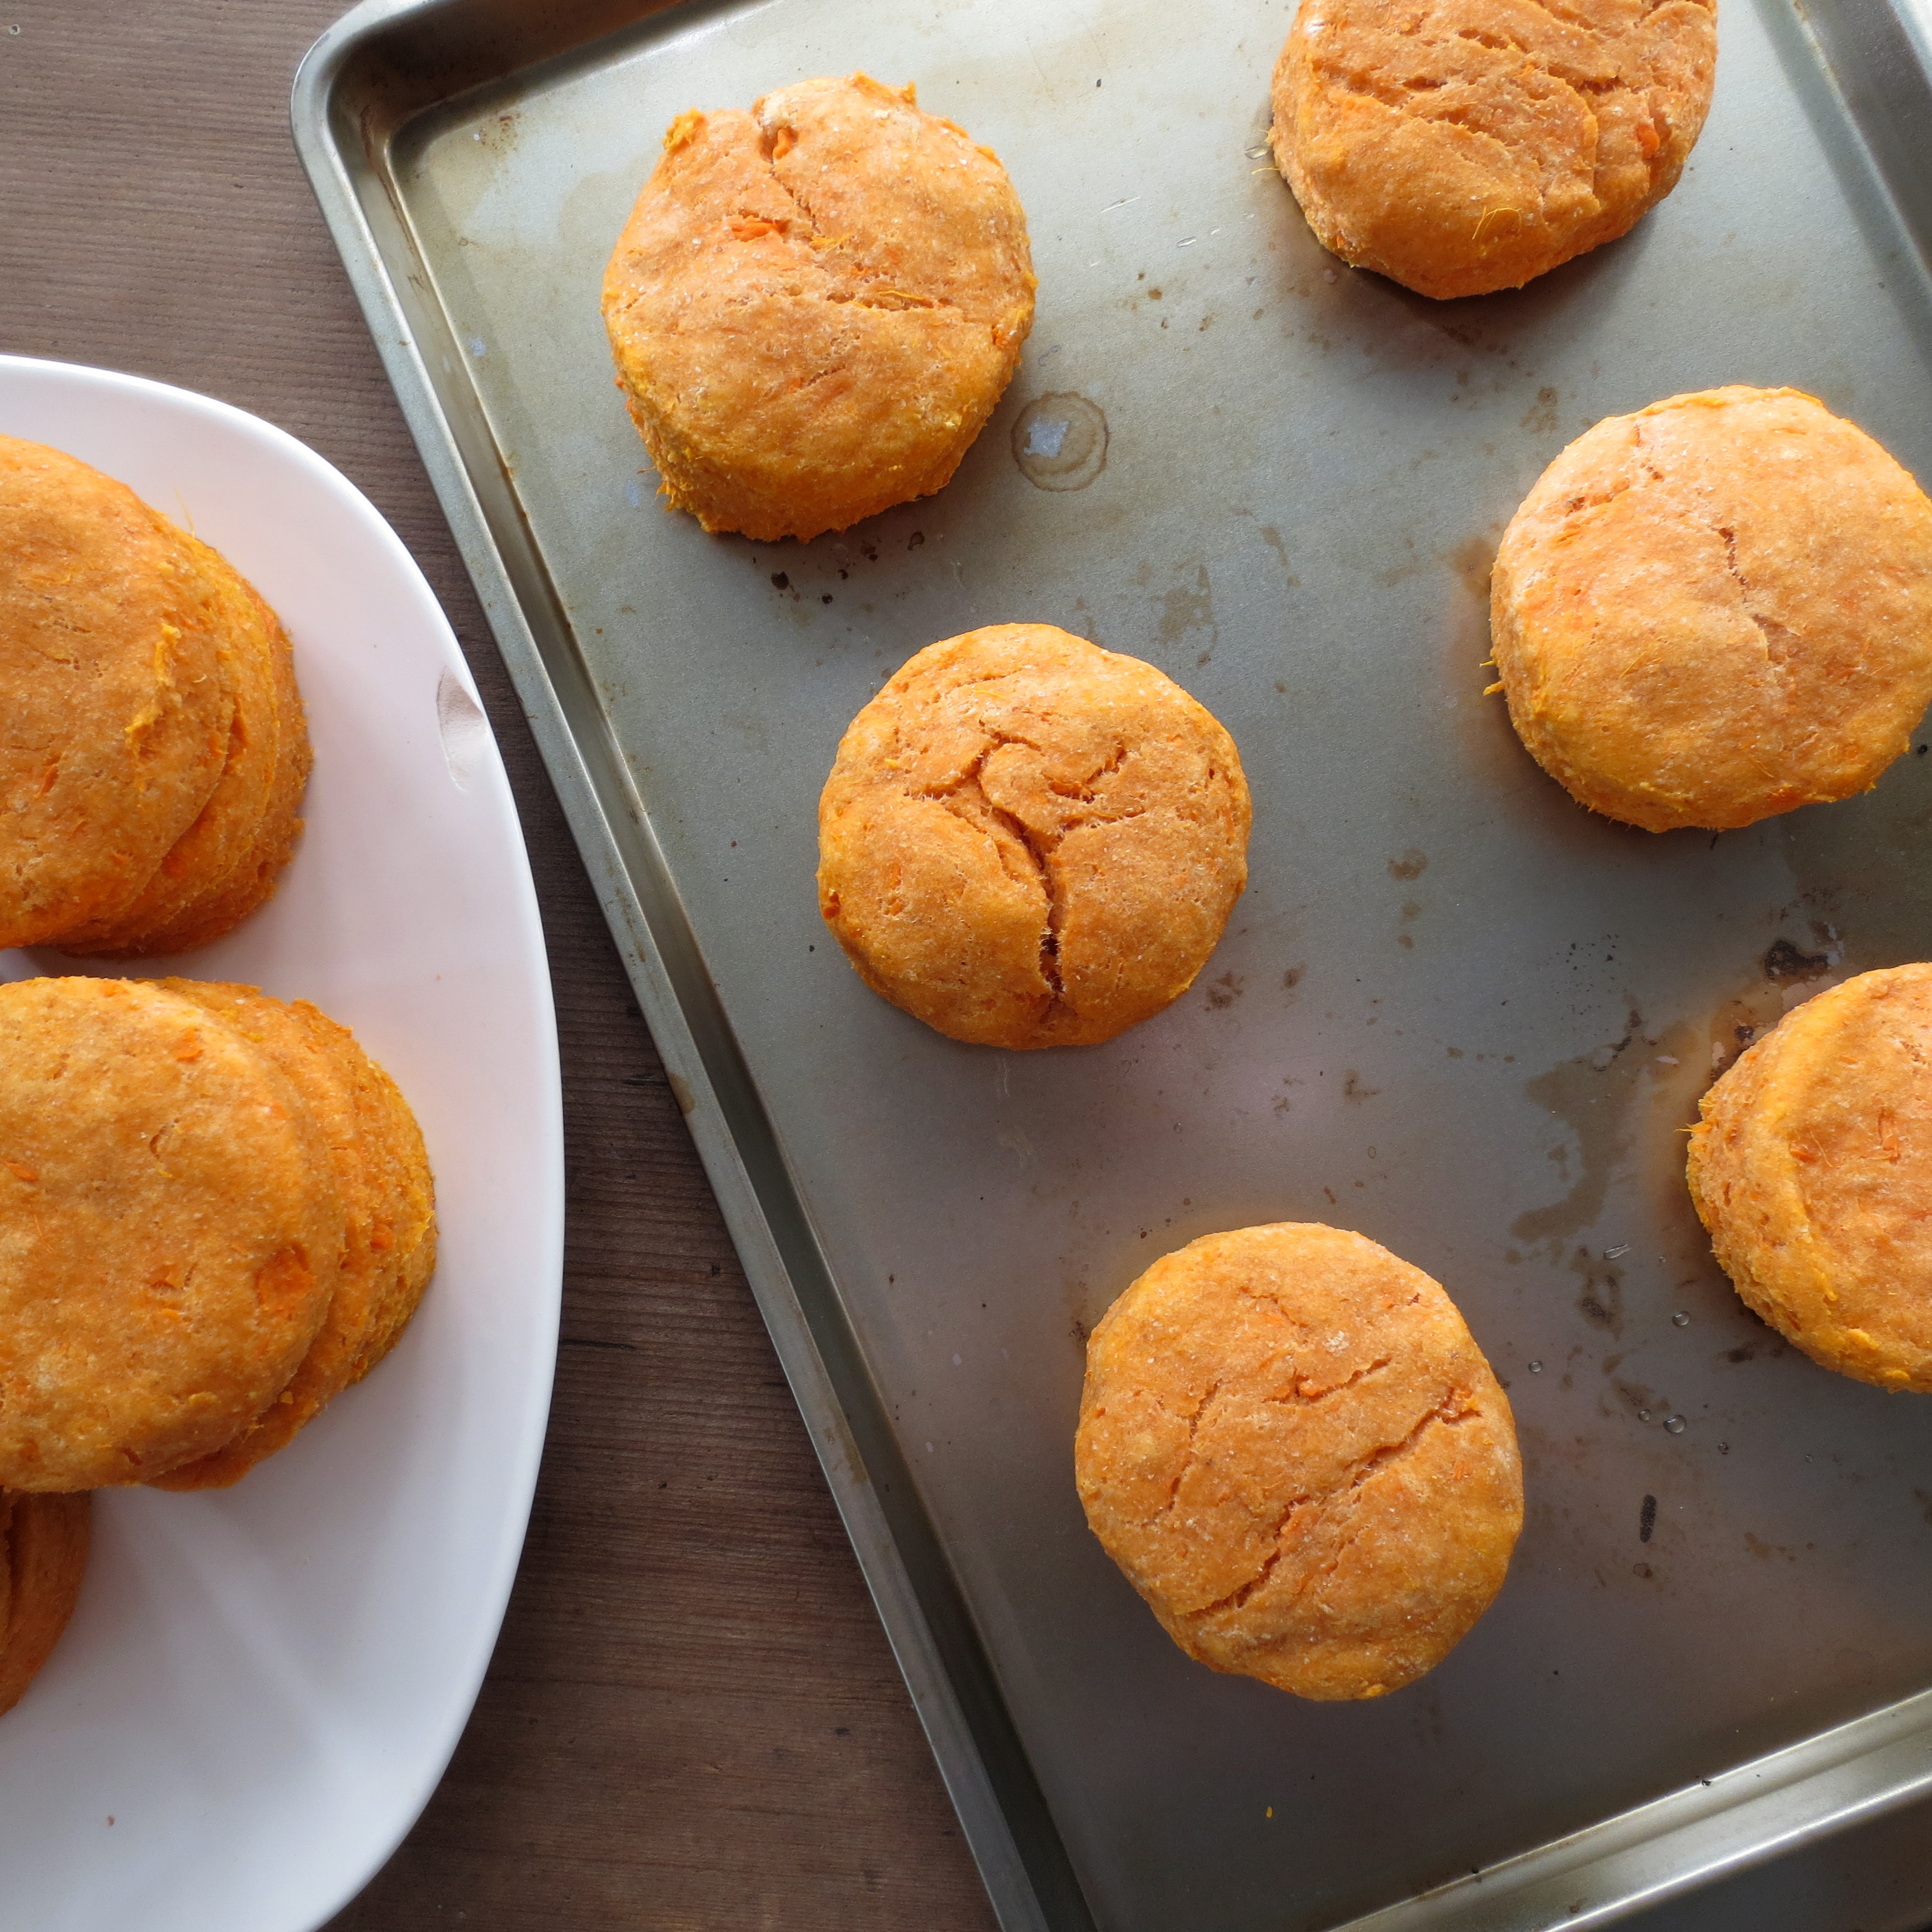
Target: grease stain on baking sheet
point(1785, 964)
point(1787, 976)
point(1473, 560)
point(1540, 418)
point(1223, 992)
point(497, 132)
point(1600, 1301)
point(1189, 607)
point(1594, 1096)
point(1060, 441)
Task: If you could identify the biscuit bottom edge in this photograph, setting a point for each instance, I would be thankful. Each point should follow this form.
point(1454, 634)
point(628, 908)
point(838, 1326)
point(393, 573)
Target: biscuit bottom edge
point(44, 1545)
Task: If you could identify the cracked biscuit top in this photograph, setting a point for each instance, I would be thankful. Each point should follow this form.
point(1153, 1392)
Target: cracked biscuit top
point(1291, 1446)
point(1460, 146)
point(1027, 840)
point(814, 306)
point(1811, 1166)
point(1717, 609)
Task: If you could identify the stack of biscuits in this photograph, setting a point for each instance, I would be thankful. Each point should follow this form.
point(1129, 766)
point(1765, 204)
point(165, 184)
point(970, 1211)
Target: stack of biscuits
point(216, 1214)
point(157, 752)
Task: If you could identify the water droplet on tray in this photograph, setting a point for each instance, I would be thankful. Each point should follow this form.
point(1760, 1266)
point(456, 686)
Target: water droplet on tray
point(1536, 1368)
point(1681, 1320)
point(1673, 1425)
point(1643, 1415)
point(1060, 441)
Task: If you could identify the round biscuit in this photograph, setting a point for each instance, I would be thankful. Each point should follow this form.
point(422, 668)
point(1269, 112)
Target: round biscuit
point(1461, 146)
point(1811, 1168)
point(231, 822)
point(814, 306)
point(1026, 841)
point(1715, 610)
point(1294, 1450)
point(117, 705)
point(377, 1151)
point(43, 1557)
point(224, 901)
point(410, 1229)
point(171, 1232)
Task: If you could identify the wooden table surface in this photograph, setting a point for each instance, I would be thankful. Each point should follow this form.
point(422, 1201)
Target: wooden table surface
point(692, 1718)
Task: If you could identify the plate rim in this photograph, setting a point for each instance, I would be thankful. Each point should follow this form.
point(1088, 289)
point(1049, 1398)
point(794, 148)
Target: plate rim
point(543, 1208)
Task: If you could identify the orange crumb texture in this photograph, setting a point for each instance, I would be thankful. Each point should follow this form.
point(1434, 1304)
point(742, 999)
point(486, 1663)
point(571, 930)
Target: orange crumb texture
point(1811, 1166)
point(815, 305)
point(1461, 146)
point(1292, 1447)
point(1027, 840)
point(1717, 609)
point(190, 1265)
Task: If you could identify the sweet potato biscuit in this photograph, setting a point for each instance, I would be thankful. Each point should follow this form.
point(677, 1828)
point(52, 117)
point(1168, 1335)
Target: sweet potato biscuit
point(225, 901)
point(1292, 1448)
point(1027, 840)
point(401, 1191)
point(411, 1229)
point(42, 1556)
point(379, 1164)
point(1460, 146)
point(1812, 1169)
point(814, 306)
point(225, 834)
point(117, 706)
point(1717, 609)
point(171, 1232)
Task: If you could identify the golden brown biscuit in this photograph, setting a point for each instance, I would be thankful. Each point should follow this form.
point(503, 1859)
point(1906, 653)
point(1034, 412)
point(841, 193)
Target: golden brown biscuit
point(1812, 1169)
point(408, 1226)
point(42, 1556)
point(1459, 146)
point(118, 707)
point(223, 901)
point(1717, 609)
point(383, 1174)
point(171, 1232)
point(224, 835)
point(814, 306)
point(1027, 840)
point(1290, 1444)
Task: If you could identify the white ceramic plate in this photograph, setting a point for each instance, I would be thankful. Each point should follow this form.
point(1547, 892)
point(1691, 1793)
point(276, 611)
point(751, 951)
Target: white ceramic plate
point(261, 1686)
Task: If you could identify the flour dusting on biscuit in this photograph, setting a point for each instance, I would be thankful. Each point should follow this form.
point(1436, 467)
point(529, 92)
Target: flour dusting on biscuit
point(1291, 1445)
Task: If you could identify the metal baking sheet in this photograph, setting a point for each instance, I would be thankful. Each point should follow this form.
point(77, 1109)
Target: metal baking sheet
point(1453, 1010)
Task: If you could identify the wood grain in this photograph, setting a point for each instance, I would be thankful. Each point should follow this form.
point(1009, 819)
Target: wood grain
point(692, 1718)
